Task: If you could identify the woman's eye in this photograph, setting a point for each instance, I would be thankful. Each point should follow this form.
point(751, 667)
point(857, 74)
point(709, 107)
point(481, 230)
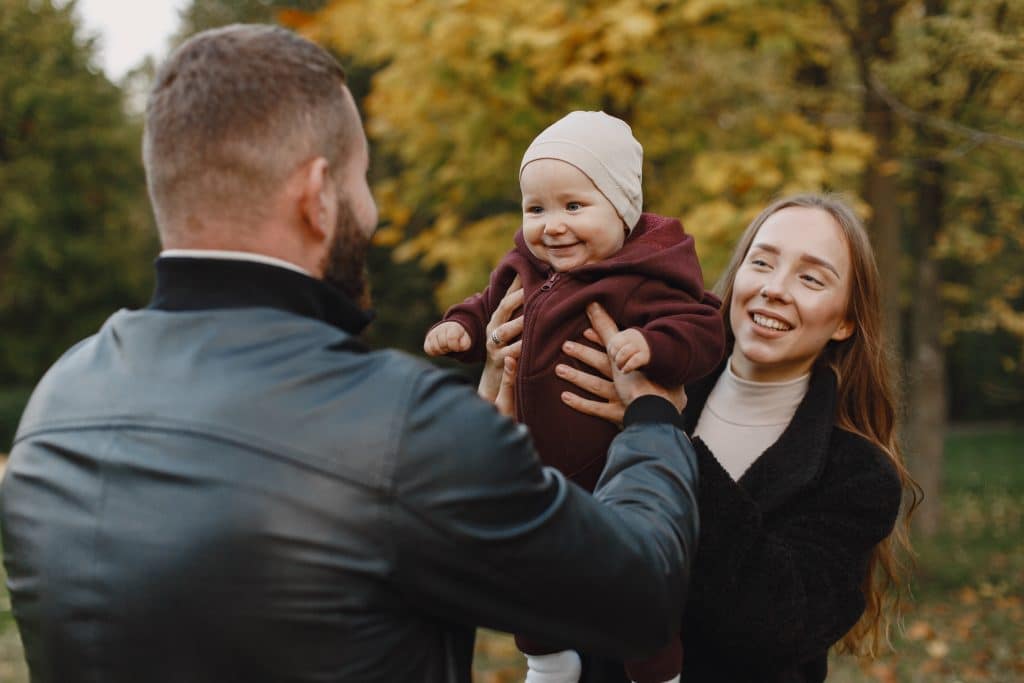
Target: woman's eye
point(759, 262)
point(810, 279)
point(574, 206)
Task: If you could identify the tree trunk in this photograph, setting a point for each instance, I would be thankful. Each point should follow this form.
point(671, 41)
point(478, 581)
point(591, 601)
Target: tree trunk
point(880, 192)
point(875, 28)
point(926, 400)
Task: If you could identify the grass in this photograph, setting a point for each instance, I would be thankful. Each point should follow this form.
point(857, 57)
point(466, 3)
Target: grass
point(965, 623)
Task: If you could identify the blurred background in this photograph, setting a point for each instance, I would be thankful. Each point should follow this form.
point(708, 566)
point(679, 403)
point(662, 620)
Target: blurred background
point(914, 109)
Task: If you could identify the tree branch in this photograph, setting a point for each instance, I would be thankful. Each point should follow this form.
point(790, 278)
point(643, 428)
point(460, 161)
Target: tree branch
point(978, 136)
point(844, 24)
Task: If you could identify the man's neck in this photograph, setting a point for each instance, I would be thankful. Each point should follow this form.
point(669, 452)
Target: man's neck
point(194, 284)
point(233, 255)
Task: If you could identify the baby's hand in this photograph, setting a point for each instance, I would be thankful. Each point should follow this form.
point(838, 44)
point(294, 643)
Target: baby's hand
point(629, 350)
point(449, 337)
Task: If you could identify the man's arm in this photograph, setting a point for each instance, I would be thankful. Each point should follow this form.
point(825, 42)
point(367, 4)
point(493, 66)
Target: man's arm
point(484, 535)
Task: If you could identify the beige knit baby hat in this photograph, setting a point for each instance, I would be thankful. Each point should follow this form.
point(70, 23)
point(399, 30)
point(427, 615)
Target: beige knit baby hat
point(601, 146)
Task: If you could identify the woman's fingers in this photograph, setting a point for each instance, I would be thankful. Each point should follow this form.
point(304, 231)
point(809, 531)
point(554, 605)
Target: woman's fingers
point(508, 305)
point(507, 331)
point(506, 401)
point(500, 330)
point(513, 350)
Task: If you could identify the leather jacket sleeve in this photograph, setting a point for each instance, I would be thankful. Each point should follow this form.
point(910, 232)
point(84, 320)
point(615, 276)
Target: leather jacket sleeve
point(483, 534)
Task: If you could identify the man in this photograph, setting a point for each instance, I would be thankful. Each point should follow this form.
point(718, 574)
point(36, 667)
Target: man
point(227, 486)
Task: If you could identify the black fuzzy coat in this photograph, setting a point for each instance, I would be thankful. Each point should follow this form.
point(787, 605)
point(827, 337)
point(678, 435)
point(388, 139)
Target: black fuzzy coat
point(783, 552)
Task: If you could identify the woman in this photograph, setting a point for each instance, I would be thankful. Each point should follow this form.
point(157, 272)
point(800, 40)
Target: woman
point(801, 477)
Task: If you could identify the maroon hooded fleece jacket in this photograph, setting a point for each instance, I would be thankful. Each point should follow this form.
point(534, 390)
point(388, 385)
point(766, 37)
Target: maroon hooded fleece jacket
point(653, 283)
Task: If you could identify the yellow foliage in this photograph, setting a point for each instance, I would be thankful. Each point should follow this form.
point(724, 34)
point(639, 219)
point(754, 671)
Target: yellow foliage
point(1007, 318)
point(712, 89)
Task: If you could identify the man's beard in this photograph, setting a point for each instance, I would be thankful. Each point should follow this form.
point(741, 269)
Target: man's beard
point(345, 263)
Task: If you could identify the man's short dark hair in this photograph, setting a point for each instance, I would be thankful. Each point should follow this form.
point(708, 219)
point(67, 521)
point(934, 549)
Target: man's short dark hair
point(233, 112)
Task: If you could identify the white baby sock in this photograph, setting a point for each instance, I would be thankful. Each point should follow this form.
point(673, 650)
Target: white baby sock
point(558, 667)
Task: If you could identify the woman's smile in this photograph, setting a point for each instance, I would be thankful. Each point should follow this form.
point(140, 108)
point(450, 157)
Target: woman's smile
point(770, 322)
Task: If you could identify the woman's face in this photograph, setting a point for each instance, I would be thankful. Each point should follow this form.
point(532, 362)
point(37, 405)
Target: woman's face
point(790, 295)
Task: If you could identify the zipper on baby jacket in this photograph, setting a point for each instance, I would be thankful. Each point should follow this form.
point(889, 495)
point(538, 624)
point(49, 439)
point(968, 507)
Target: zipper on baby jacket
point(528, 323)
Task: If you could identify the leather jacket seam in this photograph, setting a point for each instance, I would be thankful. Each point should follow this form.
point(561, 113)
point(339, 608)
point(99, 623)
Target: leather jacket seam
point(212, 432)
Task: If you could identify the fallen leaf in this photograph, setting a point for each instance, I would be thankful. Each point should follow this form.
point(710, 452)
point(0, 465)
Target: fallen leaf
point(937, 649)
point(920, 630)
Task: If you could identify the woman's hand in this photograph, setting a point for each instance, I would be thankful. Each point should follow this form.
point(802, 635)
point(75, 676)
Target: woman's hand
point(505, 402)
point(502, 329)
point(623, 388)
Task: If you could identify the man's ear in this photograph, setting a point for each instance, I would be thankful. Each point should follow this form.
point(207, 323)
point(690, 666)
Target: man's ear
point(318, 202)
point(844, 331)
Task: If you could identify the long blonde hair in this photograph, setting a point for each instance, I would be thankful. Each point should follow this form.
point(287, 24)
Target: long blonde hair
point(866, 406)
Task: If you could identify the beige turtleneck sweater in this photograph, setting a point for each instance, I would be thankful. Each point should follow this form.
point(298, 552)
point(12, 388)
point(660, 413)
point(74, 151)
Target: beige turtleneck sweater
point(741, 418)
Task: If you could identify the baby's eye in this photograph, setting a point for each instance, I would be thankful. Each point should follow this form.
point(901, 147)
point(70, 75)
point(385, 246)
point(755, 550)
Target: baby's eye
point(534, 209)
point(573, 206)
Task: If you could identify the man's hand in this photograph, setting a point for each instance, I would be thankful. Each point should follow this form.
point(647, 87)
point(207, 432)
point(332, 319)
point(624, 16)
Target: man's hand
point(629, 350)
point(628, 385)
point(448, 337)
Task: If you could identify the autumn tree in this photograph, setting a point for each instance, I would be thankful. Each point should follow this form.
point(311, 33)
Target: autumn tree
point(75, 234)
point(939, 79)
point(462, 87)
point(913, 108)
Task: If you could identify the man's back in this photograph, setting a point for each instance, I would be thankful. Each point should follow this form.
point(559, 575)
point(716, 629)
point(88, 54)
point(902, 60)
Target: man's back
point(203, 483)
point(244, 493)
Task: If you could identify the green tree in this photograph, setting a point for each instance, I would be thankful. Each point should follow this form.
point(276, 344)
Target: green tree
point(75, 233)
point(200, 15)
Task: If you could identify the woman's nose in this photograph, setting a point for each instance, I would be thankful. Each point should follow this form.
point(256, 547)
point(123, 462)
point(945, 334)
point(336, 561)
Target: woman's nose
point(774, 289)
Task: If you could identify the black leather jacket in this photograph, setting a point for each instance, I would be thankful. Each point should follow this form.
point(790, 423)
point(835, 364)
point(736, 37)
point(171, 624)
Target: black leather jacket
point(228, 487)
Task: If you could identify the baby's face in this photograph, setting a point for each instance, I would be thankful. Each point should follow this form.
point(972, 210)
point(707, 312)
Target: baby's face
point(567, 222)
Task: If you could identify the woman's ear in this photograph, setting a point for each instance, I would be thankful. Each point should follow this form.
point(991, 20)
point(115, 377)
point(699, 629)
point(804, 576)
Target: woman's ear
point(844, 331)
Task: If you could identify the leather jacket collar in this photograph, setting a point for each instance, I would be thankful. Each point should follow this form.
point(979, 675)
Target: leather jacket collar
point(196, 284)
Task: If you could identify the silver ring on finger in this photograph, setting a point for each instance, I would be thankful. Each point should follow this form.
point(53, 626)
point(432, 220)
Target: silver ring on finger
point(495, 338)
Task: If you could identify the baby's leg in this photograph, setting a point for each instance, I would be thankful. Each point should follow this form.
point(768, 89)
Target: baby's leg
point(557, 667)
point(548, 665)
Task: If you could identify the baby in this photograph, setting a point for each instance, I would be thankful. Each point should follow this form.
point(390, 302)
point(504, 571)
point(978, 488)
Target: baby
point(585, 239)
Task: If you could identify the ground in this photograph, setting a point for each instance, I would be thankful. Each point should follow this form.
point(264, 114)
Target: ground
point(965, 623)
